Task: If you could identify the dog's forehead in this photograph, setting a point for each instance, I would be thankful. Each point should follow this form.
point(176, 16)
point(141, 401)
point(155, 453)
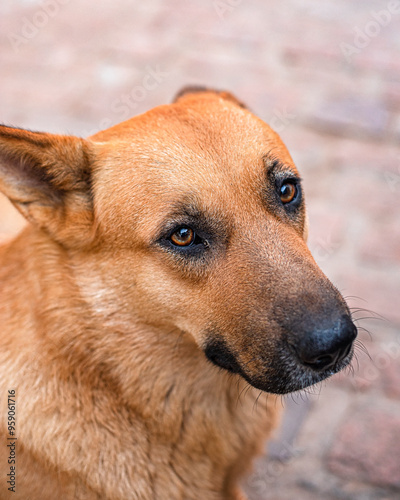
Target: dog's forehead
point(207, 133)
point(210, 150)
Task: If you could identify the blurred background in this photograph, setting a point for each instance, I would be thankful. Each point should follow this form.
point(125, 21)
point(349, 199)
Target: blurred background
point(323, 74)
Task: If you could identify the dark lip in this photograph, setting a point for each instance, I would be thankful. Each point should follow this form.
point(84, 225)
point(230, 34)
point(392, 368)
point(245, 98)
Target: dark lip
point(292, 376)
point(300, 378)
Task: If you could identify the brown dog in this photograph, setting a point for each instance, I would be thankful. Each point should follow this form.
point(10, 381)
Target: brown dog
point(164, 271)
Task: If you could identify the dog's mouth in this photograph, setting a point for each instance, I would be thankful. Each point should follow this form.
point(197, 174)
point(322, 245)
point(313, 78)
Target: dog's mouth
point(292, 376)
point(220, 354)
point(284, 372)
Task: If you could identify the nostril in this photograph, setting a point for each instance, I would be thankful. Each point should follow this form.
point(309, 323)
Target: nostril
point(321, 362)
point(326, 361)
point(324, 349)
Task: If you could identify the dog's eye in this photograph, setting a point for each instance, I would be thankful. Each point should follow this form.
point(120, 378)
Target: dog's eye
point(288, 192)
point(183, 237)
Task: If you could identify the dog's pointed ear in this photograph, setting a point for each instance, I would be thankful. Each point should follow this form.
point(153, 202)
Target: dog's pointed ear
point(190, 90)
point(48, 178)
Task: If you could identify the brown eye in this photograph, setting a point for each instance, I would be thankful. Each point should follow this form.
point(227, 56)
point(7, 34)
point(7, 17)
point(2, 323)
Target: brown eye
point(287, 192)
point(182, 237)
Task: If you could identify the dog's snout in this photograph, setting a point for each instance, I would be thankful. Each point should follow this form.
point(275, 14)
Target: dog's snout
point(325, 348)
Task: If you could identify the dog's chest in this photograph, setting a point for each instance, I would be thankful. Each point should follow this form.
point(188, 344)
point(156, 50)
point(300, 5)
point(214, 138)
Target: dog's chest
point(192, 447)
point(208, 444)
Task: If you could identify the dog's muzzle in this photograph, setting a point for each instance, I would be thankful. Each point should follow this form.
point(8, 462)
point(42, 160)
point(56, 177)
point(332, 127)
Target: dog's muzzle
point(300, 358)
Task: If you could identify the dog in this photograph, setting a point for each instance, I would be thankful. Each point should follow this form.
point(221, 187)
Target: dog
point(162, 284)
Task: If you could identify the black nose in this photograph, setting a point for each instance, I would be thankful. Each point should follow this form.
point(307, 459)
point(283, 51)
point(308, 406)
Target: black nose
point(324, 348)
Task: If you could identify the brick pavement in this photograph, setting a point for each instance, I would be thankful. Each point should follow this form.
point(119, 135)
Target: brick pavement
point(327, 76)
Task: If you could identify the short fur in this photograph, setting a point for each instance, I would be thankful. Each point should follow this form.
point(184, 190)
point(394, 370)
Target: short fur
point(106, 326)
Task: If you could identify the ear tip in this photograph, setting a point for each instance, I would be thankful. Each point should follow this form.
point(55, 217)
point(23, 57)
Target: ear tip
point(201, 89)
point(190, 89)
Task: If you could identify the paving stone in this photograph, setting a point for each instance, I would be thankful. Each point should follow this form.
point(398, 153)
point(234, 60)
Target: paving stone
point(366, 447)
point(350, 115)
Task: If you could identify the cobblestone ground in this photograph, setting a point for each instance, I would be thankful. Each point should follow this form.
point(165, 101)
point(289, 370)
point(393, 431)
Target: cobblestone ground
point(326, 76)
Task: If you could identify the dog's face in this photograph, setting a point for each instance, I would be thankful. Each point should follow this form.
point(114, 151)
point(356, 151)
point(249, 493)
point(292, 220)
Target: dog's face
point(192, 218)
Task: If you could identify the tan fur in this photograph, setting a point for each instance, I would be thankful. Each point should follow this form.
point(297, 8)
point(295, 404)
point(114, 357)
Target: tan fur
point(102, 332)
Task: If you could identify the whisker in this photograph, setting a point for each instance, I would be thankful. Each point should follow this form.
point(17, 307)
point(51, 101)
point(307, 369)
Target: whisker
point(357, 361)
point(350, 369)
point(359, 345)
point(367, 317)
point(362, 328)
point(347, 297)
point(374, 315)
point(256, 400)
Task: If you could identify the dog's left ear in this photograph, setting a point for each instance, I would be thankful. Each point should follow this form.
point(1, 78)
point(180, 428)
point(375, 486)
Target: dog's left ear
point(190, 90)
point(48, 177)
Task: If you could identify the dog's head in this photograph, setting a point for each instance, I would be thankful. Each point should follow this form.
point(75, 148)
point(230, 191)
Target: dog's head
point(192, 218)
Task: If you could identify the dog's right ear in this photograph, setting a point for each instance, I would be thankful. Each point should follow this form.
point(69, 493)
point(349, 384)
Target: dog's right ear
point(193, 89)
point(47, 177)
